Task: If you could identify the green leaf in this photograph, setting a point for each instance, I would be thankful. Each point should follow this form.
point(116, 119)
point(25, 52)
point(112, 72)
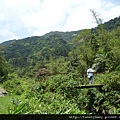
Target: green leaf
point(19, 108)
point(68, 111)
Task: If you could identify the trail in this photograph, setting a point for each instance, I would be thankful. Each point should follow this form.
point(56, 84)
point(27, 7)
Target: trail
point(2, 92)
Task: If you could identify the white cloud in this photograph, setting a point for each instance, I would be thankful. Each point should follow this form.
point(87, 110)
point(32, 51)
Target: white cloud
point(112, 13)
point(10, 35)
point(21, 18)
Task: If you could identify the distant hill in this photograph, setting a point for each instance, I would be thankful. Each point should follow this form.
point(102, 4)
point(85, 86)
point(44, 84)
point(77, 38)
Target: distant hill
point(67, 36)
point(110, 25)
point(7, 42)
point(28, 51)
point(113, 23)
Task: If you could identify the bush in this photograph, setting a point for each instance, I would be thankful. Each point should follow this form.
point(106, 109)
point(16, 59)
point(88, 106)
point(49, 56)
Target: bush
point(13, 86)
point(53, 103)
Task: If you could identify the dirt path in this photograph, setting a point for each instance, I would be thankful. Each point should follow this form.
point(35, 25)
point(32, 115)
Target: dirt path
point(2, 92)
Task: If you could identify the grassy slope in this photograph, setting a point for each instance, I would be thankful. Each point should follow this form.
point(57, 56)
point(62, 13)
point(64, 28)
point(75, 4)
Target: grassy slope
point(6, 103)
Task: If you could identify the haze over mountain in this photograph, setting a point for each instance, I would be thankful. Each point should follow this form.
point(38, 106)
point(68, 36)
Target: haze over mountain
point(24, 18)
point(69, 36)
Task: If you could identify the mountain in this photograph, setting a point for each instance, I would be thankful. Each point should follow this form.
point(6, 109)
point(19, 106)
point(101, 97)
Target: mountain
point(7, 42)
point(28, 51)
point(113, 23)
point(110, 25)
point(67, 36)
point(31, 50)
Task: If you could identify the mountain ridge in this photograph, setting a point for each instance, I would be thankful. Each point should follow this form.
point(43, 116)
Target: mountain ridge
point(70, 35)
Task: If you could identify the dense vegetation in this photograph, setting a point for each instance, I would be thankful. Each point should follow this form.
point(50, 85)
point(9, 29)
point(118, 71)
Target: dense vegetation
point(41, 72)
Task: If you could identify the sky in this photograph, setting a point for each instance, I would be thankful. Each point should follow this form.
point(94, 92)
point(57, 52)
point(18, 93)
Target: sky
point(25, 18)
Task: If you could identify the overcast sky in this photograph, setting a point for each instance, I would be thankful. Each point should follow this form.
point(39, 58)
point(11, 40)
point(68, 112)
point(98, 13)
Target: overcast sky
point(25, 18)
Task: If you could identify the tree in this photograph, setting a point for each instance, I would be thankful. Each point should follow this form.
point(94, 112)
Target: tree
point(3, 67)
point(42, 73)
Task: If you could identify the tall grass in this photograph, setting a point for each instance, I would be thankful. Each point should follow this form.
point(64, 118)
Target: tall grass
point(6, 104)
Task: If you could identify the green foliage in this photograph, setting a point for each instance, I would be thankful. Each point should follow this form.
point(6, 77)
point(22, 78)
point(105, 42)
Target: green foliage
point(52, 103)
point(18, 109)
point(67, 36)
point(29, 54)
point(3, 67)
point(13, 87)
point(112, 80)
point(67, 64)
point(43, 98)
point(100, 63)
point(102, 103)
point(57, 95)
point(5, 104)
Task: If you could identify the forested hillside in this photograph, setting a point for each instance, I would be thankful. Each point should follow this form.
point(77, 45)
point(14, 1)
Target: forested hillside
point(67, 36)
point(42, 72)
point(33, 52)
point(70, 35)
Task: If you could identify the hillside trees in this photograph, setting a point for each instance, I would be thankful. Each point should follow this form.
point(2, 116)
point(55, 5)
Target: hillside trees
point(34, 52)
point(106, 46)
point(102, 51)
point(108, 49)
point(83, 51)
point(3, 67)
point(98, 48)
